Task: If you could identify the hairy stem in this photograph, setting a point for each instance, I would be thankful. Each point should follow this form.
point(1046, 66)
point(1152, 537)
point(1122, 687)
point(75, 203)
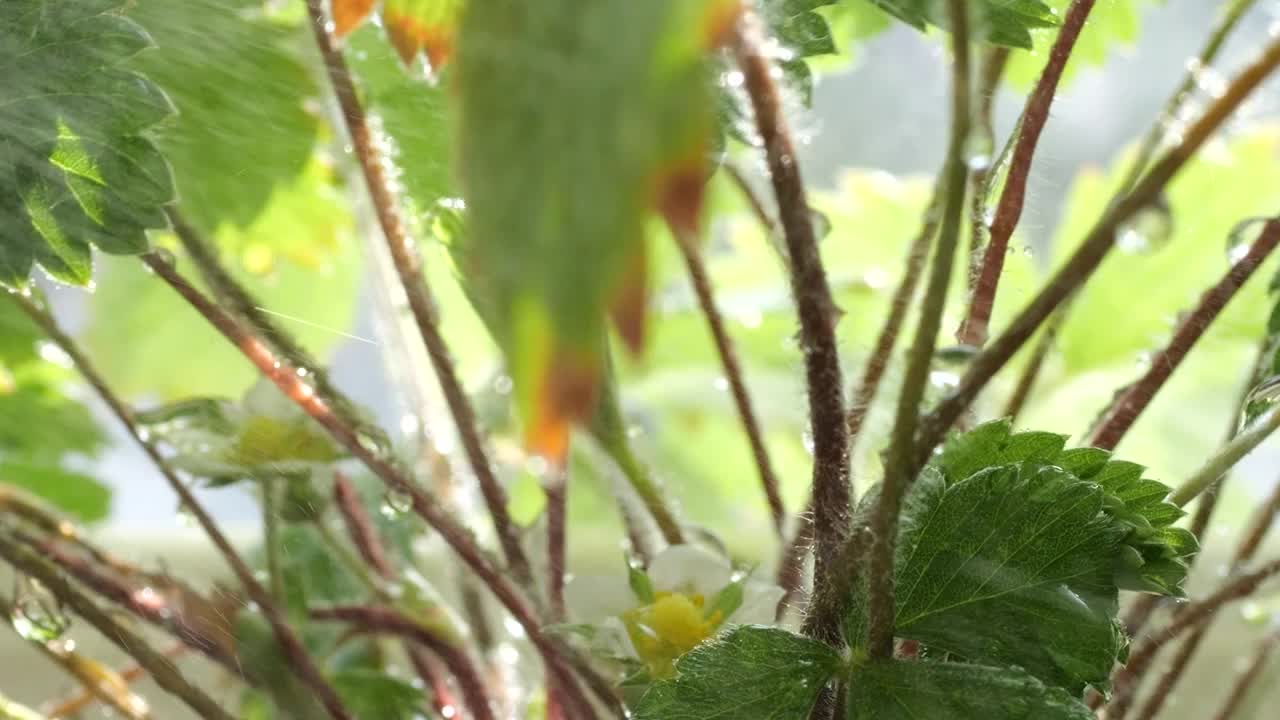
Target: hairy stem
point(166, 674)
point(556, 488)
point(1230, 454)
point(818, 316)
point(303, 395)
point(1126, 408)
point(701, 282)
point(408, 265)
point(1125, 679)
point(1229, 18)
point(899, 472)
point(1027, 380)
point(1095, 247)
point(299, 659)
point(994, 61)
point(1009, 210)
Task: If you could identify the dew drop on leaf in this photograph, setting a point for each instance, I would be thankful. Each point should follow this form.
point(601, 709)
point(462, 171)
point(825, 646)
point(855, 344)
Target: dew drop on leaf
point(978, 148)
point(36, 615)
point(1262, 400)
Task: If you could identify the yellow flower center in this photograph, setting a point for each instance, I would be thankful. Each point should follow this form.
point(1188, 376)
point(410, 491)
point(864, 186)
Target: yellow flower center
point(673, 625)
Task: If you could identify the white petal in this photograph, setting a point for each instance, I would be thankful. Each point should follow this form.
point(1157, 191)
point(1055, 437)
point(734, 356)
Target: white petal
point(759, 604)
point(265, 399)
point(613, 640)
point(592, 598)
point(690, 568)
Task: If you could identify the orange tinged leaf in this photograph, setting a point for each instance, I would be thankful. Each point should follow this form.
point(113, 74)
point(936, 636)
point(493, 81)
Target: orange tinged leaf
point(349, 14)
point(680, 196)
point(718, 27)
point(631, 300)
point(567, 392)
point(410, 35)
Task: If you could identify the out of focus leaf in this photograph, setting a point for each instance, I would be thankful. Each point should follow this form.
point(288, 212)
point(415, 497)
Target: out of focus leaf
point(412, 26)
point(76, 169)
point(243, 129)
point(147, 340)
point(1112, 25)
point(375, 694)
point(569, 133)
point(1003, 22)
point(76, 494)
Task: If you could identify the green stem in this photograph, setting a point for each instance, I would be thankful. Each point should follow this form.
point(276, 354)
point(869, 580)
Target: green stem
point(899, 471)
point(1228, 456)
point(10, 710)
point(271, 538)
point(349, 560)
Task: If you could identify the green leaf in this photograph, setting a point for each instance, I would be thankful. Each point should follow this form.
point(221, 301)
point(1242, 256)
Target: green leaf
point(374, 694)
point(76, 169)
point(241, 87)
point(1003, 22)
point(1136, 502)
point(749, 672)
point(74, 493)
point(1012, 566)
point(899, 690)
point(556, 230)
point(1112, 25)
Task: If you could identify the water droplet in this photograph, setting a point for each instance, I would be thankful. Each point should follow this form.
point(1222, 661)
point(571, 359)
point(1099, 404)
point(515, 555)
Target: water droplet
point(502, 384)
point(50, 352)
point(721, 384)
point(37, 615)
point(942, 381)
point(302, 372)
point(978, 148)
point(537, 466)
point(395, 503)
point(806, 439)
point(409, 423)
point(1149, 230)
point(165, 256)
point(1252, 612)
point(821, 223)
point(184, 517)
point(955, 354)
point(1242, 237)
point(1261, 401)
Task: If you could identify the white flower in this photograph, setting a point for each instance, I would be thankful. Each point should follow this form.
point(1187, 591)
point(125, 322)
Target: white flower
point(685, 597)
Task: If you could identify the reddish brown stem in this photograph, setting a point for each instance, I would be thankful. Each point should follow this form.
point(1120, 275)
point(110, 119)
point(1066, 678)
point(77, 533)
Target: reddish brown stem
point(299, 659)
point(382, 620)
point(1009, 210)
point(1030, 373)
point(297, 390)
point(556, 488)
point(360, 527)
point(701, 282)
point(166, 674)
point(1124, 680)
point(818, 316)
point(993, 64)
point(408, 263)
point(1124, 411)
point(1257, 662)
point(1095, 247)
point(1252, 539)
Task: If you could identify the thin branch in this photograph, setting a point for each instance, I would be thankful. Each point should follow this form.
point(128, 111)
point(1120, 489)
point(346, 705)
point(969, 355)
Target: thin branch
point(270, 511)
point(1125, 679)
point(84, 698)
point(994, 61)
point(365, 539)
point(166, 674)
point(1259, 526)
point(152, 602)
point(10, 710)
point(383, 620)
point(753, 200)
point(409, 267)
point(556, 488)
point(1126, 408)
point(899, 473)
point(1257, 663)
point(1222, 461)
point(1227, 22)
point(818, 316)
point(1009, 210)
point(381, 464)
point(1027, 380)
point(299, 659)
point(1095, 247)
point(701, 282)
point(234, 296)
